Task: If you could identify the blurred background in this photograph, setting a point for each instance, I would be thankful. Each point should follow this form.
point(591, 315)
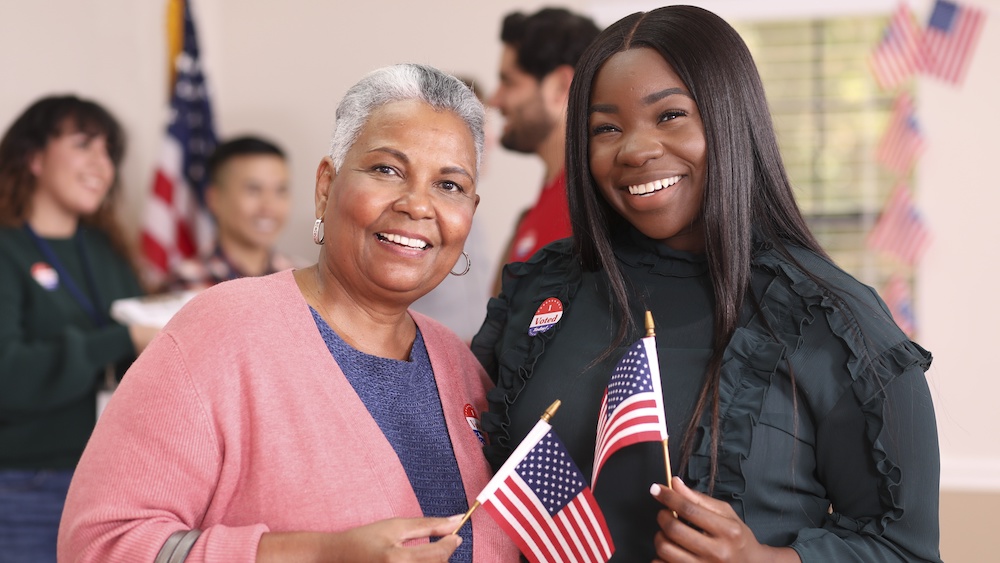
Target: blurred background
point(279, 68)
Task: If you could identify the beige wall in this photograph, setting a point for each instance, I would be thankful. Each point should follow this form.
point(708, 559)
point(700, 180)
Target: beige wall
point(279, 68)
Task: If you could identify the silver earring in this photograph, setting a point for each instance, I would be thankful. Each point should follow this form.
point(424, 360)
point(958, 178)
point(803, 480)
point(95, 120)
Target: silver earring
point(468, 265)
point(318, 234)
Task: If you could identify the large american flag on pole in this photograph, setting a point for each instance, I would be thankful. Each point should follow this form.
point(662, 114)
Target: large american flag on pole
point(632, 407)
point(902, 142)
point(177, 224)
point(950, 39)
point(541, 500)
point(899, 54)
point(900, 230)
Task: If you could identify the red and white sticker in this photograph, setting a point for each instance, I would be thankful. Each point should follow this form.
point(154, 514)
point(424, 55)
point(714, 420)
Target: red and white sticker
point(45, 275)
point(547, 315)
point(473, 419)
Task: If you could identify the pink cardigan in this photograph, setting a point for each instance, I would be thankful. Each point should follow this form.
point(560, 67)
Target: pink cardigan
point(236, 420)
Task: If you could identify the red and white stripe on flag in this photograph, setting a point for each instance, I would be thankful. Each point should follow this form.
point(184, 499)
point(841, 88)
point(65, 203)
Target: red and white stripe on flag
point(576, 533)
point(900, 230)
point(899, 54)
point(632, 406)
point(950, 40)
point(903, 142)
point(175, 226)
point(542, 502)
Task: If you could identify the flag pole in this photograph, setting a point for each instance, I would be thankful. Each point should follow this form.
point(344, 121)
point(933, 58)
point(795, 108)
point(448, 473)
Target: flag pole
point(546, 416)
point(651, 332)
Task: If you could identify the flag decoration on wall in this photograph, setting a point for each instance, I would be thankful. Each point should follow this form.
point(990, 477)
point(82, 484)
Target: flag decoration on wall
point(900, 230)
point(541, 500)
point(899, 54)
point(632, 406)
point(902, 142)
point(950, 40)
point(177, 224)
point(897, 297)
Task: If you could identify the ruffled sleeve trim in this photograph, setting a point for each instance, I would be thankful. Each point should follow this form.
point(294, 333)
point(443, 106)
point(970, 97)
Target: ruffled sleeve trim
point(791, 301)
point(551, 272)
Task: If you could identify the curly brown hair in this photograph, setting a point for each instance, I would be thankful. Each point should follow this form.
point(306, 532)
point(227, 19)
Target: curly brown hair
point(44, 120)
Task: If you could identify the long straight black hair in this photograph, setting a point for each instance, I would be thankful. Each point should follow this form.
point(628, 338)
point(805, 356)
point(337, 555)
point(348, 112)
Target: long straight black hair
point(747, 194)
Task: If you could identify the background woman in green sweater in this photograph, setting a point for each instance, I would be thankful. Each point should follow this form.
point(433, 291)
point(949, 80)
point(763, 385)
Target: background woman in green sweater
point(62, 262)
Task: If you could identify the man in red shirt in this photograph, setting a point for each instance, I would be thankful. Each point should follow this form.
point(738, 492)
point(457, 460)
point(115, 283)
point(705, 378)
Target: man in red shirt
point(536, 68)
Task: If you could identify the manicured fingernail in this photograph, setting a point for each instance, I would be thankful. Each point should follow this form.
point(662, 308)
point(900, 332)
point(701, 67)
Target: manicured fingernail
point(654, 489)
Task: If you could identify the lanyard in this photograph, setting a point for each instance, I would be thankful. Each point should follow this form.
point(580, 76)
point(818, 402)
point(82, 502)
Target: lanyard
point(79, 296)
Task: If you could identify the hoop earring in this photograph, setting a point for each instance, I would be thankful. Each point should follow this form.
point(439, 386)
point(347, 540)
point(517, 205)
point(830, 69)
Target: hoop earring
point(319, 236)
point(468, 265)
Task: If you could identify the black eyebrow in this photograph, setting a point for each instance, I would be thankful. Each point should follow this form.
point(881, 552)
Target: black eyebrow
point(603, 108)
point(647, 100)
point(657, 96)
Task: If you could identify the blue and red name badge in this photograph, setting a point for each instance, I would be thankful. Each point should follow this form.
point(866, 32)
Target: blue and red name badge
point(473, 419)
point(45, 275)
point(547, 315)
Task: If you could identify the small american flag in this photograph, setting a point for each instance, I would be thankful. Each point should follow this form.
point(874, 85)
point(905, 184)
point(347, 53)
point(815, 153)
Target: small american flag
point(899, 54)
point(902, 143)
point(897, 298)
point(632, 407)
point(950, 40)
point(900, 230)
point(177, 224)
point(541, 500)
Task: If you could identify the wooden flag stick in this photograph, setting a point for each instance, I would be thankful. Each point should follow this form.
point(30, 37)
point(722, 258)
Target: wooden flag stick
point(465, 518)
point(651, 332)
point(546, 416)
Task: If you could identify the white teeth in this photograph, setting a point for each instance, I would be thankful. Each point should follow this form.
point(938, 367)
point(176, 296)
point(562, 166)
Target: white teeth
point(653, 186)
point(405, 241)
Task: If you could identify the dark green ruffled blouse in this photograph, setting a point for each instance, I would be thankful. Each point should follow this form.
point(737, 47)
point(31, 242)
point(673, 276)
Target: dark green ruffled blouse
point(842, 467)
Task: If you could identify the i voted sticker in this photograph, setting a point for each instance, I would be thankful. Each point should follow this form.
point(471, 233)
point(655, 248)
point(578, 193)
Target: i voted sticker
point(473, 419)
point(45, 275)
point(547, 315)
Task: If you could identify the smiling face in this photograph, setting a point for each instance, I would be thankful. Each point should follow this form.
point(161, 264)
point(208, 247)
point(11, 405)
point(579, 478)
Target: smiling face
point(73, 174)
point(647, 148)
point(399, 210)
point(250, 199)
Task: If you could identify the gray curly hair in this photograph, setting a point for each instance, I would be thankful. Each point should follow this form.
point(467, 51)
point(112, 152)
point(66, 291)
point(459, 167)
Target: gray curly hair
point(404, 82)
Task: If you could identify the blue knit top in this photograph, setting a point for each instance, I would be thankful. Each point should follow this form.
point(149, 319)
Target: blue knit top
point(403, 399)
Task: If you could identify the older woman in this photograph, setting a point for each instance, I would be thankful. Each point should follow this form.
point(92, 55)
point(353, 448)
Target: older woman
point(308, 415)
point(803, 425)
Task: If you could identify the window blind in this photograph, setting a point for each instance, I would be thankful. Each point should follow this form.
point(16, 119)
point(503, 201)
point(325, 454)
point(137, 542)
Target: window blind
point(829, 115)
